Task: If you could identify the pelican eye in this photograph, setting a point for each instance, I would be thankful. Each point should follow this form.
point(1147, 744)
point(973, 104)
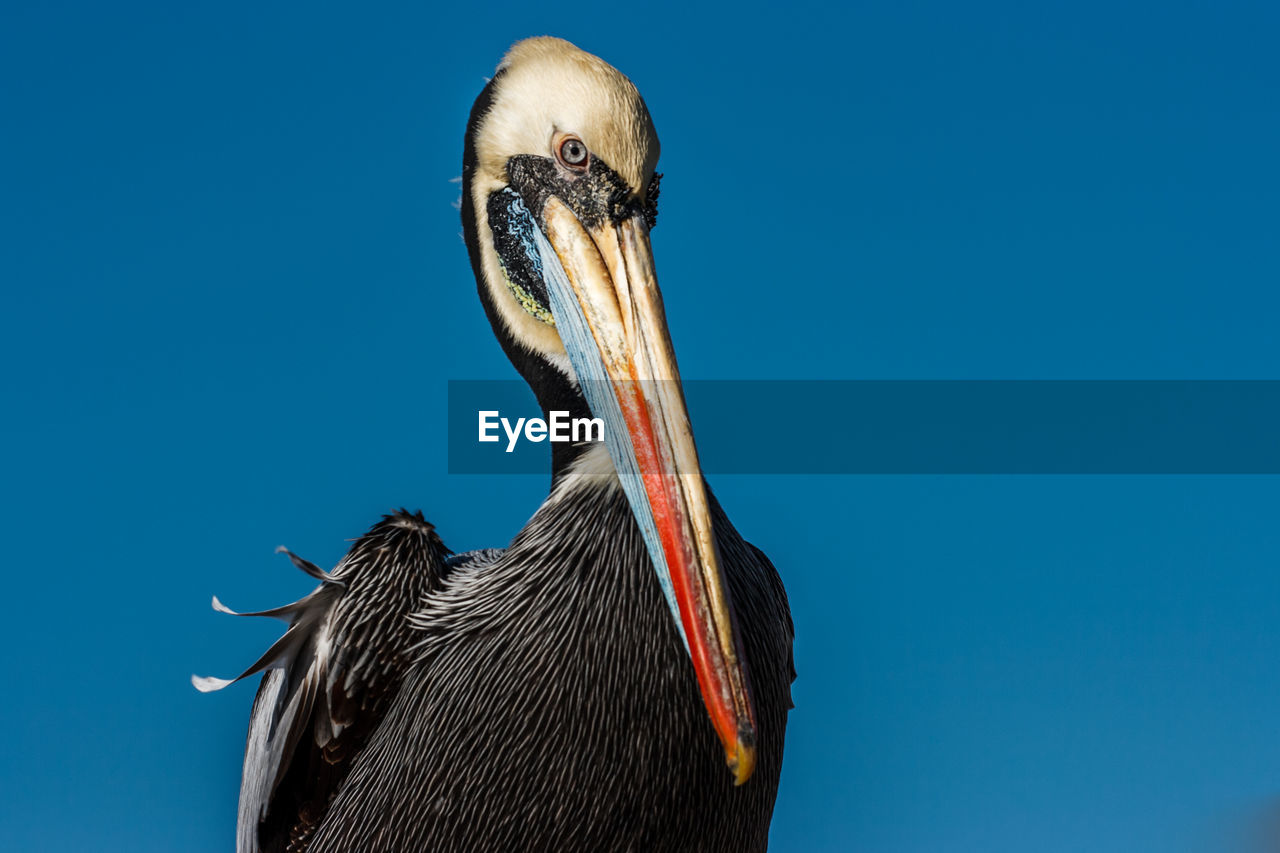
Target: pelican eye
point(573, 153)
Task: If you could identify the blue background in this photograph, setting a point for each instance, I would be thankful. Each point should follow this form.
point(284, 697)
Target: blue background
point(234, 289)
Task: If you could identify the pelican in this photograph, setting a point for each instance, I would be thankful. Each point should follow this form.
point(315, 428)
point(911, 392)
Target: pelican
point(619, 676)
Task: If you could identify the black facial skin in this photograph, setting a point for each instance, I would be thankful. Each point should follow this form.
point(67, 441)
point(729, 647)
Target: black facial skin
point(597, 197)
point(515, 248)
point(651, 201)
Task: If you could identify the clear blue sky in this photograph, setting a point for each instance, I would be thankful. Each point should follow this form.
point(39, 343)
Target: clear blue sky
point(234, 289)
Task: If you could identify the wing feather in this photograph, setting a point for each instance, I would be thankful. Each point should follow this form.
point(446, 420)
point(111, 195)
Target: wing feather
point(329, 677)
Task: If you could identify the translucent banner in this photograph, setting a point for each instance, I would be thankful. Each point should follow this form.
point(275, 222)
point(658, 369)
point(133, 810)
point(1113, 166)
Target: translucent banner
point(909, 427)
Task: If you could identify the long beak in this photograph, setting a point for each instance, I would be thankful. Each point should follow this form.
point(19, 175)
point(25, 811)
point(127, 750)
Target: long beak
point(608, 311)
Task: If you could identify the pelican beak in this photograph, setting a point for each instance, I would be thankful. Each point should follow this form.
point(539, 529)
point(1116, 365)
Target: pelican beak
point(608, 310)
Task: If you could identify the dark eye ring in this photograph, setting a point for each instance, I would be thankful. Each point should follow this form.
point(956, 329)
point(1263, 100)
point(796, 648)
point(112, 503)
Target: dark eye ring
point(573, 153)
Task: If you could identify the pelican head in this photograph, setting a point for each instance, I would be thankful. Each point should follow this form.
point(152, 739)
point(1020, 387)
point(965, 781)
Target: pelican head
point(559, 194)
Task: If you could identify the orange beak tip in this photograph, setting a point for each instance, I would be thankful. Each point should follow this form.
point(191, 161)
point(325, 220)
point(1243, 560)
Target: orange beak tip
point(742, 759)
